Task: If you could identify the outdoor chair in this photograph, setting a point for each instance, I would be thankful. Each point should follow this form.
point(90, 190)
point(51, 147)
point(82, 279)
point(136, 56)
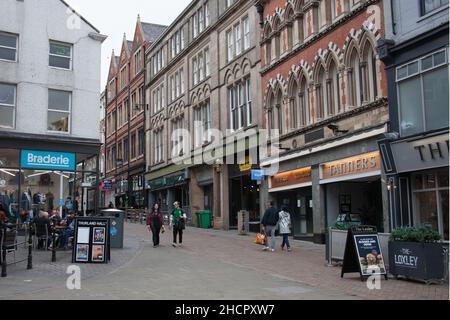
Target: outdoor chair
point(9, 241)
point(41, 234)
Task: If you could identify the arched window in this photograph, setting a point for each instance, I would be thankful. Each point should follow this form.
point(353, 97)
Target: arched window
point(293, 105)
point(369, 74)
point(300, 21)
point(268, 46)
point(303, 102)
point(271, 108)
point(321, 88)
point(290, 32)
point(353, 79)
point(278, 38)
point(333, 89)
point(279, 112)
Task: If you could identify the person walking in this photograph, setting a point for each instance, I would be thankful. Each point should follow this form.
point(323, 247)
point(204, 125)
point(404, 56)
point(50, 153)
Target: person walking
point(178, 223)
point(285, 228)
point(155, 223)
point(270, 222)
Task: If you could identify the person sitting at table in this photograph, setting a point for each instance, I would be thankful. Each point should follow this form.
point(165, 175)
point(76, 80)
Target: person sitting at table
point(69, 232)
point(55, 217)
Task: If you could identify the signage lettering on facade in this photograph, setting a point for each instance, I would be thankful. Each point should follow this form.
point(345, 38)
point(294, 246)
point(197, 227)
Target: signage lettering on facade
point(432, 151)
point(44, 160)
point(350, 166)
point(291, 178)
point(421, 154)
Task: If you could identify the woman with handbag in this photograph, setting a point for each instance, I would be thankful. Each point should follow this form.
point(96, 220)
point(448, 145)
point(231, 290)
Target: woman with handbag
point(155, 224)
point(178, 222)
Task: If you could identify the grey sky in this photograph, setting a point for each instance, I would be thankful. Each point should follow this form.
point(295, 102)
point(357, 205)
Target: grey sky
point(113, 18)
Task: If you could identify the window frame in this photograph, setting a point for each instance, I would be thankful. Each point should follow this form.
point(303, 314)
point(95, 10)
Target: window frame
point(420, 75)
point(16, 49)
point(69, 121)
point(71, 68)
point(14, 106)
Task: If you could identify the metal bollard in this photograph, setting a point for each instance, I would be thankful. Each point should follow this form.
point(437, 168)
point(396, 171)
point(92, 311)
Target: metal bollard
point(3, 248)
point(446, 263)
point(54, 242)
point(30, 248)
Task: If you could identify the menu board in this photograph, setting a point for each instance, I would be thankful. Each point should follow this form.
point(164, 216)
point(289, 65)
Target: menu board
point(363, 253)
point(370, 256)
point(92, 243)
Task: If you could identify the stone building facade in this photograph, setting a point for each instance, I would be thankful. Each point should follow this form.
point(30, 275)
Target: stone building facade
point(203, 74)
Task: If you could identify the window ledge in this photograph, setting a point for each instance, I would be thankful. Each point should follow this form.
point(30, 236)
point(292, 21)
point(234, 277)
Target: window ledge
point(63, 69)
point(8, 61)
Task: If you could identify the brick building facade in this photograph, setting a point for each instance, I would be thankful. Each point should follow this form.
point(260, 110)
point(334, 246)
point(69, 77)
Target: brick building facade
point(125, 118)
point(324, 97)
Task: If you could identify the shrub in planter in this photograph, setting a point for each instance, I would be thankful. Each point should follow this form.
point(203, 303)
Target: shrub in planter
point(416, 253)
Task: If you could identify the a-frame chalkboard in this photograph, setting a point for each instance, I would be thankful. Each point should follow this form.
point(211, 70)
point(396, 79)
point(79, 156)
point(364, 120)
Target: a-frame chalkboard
point(363, 253)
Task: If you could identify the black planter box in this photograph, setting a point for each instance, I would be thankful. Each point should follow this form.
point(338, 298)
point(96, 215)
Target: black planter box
point(418, 261)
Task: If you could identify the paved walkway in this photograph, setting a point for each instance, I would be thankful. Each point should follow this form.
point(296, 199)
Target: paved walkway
point(211, 265)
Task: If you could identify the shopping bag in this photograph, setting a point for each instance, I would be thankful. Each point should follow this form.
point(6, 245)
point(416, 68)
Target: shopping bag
point(260, 239)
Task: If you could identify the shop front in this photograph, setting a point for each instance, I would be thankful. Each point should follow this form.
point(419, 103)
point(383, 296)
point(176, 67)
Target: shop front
point(418, 175)
point(353, 191)
point(60, 176)
point(168, 189)
point(137, 191)
point(244, 195)
point(293, 190)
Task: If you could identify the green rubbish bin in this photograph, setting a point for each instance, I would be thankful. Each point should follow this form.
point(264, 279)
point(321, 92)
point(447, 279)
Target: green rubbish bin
point(205, 219)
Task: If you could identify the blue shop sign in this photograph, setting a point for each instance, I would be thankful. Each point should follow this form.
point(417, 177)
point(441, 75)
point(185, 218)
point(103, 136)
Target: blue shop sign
point(46, 160)
point(257, 175)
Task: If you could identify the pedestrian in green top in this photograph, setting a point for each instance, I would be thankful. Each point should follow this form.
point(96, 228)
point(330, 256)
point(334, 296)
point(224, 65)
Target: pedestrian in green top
point(178, 222)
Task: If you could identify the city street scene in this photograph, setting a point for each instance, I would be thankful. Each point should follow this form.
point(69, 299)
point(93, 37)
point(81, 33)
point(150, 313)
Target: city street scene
point(262, 150)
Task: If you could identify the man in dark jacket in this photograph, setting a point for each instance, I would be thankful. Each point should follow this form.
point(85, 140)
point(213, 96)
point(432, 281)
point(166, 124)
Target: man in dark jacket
point(269, 222)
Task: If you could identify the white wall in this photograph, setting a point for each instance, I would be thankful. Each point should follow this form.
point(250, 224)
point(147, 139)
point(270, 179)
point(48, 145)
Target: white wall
point(37, 22)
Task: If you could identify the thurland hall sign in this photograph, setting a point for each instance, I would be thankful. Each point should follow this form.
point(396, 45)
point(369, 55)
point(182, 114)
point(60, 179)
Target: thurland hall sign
point(421, 154)
point(365, 163)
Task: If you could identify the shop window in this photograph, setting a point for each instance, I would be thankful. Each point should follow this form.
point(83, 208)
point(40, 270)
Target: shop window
point(60, 55)
point(431, 200)
point(423, 94)
point(8, 47)
point(7, 105)
point(59, 108)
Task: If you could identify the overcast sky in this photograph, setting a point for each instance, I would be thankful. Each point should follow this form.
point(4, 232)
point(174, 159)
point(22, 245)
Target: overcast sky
point(113, 18)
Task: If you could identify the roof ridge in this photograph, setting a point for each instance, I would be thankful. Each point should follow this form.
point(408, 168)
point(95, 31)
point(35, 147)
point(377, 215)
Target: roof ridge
point(154, 24)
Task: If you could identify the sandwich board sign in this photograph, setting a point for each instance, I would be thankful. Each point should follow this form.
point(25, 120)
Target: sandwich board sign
point(92, 241)
point(363, 253)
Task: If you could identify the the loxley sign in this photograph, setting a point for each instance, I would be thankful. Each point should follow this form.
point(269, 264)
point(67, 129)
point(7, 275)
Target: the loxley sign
point(405, 259)
point(46, 160)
